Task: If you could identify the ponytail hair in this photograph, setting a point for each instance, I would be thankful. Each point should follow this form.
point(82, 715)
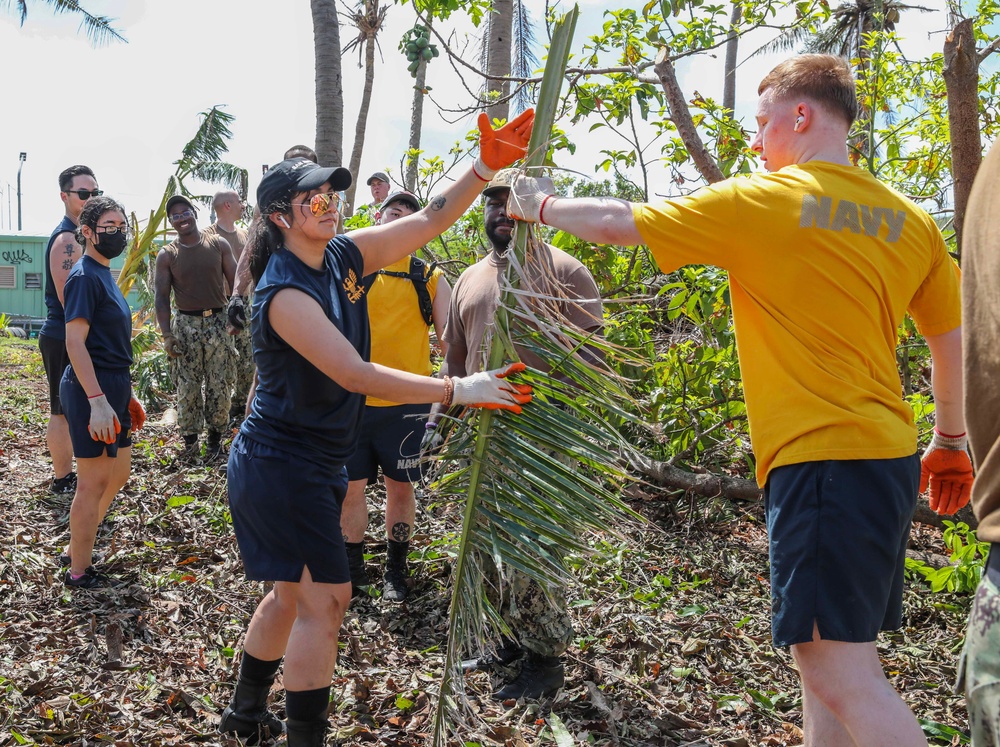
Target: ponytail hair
point(264, 237)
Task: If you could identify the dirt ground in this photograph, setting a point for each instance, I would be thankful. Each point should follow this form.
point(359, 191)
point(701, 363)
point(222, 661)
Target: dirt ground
point(673, 643)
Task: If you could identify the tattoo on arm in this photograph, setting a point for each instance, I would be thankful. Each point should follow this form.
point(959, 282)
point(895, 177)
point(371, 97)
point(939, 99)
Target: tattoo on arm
point(438, 203)
point(401, 531)
point(67, 264)
point(70, 249)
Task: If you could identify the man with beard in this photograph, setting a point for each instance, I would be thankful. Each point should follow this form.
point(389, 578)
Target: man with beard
point(537, 616)
point(197, 268)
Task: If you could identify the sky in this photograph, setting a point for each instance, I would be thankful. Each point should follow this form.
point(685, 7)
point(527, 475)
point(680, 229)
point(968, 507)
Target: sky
point(126, 110)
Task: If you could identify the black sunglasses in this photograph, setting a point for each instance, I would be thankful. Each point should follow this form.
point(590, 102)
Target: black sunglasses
point(86, 194)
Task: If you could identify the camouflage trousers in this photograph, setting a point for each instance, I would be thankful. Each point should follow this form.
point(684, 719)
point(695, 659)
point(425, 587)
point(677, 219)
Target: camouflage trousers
point(244, 367)
point(536, 616)
point(204, 373)
point(979, 668)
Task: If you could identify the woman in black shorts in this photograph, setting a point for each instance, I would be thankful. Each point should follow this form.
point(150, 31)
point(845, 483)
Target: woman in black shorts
point(96, 391)
point(287, 478)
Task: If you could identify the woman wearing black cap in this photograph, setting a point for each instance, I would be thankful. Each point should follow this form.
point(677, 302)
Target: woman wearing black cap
point(286, 467)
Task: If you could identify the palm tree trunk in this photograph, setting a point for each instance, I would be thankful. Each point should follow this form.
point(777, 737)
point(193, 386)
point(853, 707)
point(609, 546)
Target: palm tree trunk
point(329, 83)
point(362, 123)
point(961, 79)
point(498, 61)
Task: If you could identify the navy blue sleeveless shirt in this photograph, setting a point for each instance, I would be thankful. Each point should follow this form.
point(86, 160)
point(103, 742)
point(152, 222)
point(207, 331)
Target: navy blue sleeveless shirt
point(91, 294)
point(55, 320)
point(298, 408)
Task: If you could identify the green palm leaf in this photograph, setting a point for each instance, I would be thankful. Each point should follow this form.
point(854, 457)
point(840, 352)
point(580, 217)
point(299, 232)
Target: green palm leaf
point(536, 486)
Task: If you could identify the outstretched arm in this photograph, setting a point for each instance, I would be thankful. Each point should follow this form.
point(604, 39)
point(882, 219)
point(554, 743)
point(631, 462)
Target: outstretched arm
point(383, 245)
point(603, 220)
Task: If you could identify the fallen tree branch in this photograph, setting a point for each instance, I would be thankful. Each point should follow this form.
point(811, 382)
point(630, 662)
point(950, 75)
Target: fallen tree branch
point(710, 485)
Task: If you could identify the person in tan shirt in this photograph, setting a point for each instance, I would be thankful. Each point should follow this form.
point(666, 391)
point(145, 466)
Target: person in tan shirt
point(979, 672)
point(195, 270)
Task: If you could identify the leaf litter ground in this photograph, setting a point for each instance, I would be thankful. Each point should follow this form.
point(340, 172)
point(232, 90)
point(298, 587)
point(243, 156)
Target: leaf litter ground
point(673, 642)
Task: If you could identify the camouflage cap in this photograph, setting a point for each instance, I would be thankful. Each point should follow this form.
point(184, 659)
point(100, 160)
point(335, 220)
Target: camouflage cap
point(503, 179)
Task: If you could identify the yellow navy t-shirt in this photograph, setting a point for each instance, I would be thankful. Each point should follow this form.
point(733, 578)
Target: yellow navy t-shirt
point(823, 262)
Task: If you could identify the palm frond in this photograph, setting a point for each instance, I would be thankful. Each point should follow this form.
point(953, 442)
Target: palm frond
point(537, 486)
point(97, 28)
point(209, 143)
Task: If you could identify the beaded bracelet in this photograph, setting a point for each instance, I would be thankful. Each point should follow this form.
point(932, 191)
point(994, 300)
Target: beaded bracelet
point(449, 391)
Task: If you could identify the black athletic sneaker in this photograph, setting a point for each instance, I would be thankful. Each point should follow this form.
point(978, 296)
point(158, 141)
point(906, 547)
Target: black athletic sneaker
point(91, 579)
point(64, 485)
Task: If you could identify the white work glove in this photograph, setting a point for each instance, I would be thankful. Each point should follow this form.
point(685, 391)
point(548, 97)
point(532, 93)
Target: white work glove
point(528, 196)
point(491, 390)
point(104, 425)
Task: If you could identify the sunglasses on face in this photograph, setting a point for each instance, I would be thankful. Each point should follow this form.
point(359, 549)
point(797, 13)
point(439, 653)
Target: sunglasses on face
point(112, 230)
point(85, 194)
point(181, 216)
point(321, 203)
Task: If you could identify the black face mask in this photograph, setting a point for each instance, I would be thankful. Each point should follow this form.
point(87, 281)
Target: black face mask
point(112, 244)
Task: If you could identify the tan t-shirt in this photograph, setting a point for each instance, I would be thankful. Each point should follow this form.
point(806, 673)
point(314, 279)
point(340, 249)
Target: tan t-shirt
point(551, 272)
point(197, 277)
point(981, 341)
point(237, 240)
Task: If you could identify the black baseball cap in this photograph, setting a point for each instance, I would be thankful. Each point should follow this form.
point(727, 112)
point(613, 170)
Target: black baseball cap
point(381, 175)
point(298, 175)
point(177, 200)
point(401, 196)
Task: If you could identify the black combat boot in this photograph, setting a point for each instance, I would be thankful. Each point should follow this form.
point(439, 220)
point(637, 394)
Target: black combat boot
point(247, 715)
point(540, 676)
point(190, 451)
point(307, 733)
point(395, 588)
point(356, 565)
point(213, 446)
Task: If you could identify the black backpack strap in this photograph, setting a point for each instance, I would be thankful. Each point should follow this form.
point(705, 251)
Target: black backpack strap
point(419, 274)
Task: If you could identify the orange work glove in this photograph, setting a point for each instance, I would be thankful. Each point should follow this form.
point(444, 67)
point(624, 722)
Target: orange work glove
point(491, 390)
point(498, 149)
point(138, 413)
point(946, 467)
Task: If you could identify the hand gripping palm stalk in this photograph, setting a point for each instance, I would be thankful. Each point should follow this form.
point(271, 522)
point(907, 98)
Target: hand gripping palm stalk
point(535, 485)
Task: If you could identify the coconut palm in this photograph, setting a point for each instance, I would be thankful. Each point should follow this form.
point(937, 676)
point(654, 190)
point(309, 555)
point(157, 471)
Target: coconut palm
point(201, 158)
point(98, 28)
point(367, 18)
point(416, 121)
point(506, 49)
point(329, 83)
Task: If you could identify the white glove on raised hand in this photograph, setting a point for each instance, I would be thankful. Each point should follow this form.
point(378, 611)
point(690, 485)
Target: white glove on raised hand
point(491, 390)
point(527, 198)
point(104, 425)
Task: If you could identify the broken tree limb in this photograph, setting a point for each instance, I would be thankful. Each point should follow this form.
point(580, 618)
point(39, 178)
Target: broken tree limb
point(710, 485)
point(680, 115)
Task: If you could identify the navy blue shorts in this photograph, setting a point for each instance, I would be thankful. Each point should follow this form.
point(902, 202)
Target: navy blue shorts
point(389, 437)
point(55, 359)
point(837, 534)
point(286, 514)
point(117, 387)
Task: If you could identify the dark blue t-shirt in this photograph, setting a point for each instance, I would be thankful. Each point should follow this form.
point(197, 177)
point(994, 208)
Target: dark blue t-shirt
point(298, 408)
point(91, 294)
point(55, 321)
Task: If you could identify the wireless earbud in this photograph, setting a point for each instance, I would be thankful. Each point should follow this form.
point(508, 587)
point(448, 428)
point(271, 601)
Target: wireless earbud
point(798, 123)
point(285, 222)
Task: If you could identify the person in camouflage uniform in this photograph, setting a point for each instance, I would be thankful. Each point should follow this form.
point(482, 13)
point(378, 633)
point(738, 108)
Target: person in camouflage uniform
point(195, 269)
point(229, 208)
point(531, 665)
point(979, 671)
